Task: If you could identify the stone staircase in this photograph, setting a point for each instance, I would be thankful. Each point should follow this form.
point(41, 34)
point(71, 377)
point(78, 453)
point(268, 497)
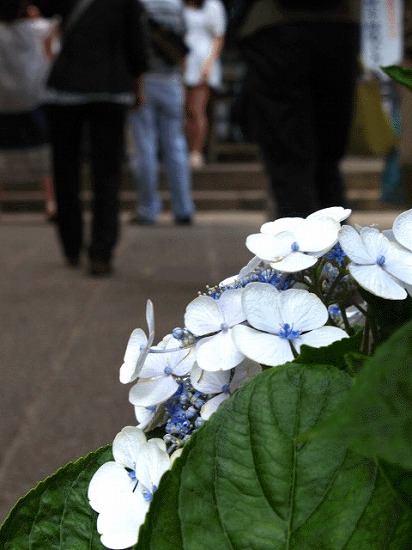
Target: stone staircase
point(221, 186)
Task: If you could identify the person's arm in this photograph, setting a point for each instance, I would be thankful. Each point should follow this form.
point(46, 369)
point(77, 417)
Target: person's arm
point(216, 21)
point(217, 46)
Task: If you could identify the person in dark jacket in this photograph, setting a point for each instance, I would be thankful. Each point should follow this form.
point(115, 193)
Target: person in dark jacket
point(297, 96)
point(93, 82)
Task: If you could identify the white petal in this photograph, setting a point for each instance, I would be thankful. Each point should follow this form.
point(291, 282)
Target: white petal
point(230, 304)
point(353, 246)
point(126, 445)
point(320, 337)
point(338, 213)
point(260, 304)
point(154, 365)
point(185, 363)
point(280, 225)
point(399, 263)
point(375, 242)
point(266, 349)
point(251, 266)
point(218, 352)
point(316, 234)
point(203, 316)
point(144, 415)
point(152, 463)
point(244, 372)
point(270, 248)
point(135, 346)
point(212, 405)
point(151, 391)
point(402, 229)
point(150, 321)
point(294, 262)
point(302, 310)
point(111, 481)
point(119, 524)
point(377, 281)
point(208, 382)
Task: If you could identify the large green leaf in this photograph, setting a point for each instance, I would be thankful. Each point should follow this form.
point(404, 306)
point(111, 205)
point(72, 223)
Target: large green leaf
point(56, 514)
point(336, 354)
point(400, 74)
point(246, 480)
point(376, 417)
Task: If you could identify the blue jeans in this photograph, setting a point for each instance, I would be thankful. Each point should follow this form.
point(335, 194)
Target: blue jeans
point(157, 128)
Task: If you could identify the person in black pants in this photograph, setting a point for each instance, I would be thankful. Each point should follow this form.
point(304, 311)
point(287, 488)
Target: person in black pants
point(297, 97)
point(93, 82)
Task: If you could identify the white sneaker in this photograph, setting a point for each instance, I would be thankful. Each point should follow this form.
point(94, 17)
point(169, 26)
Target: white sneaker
point(196, 160)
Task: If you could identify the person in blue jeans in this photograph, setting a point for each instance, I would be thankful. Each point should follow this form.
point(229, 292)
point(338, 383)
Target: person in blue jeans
point(157, 128)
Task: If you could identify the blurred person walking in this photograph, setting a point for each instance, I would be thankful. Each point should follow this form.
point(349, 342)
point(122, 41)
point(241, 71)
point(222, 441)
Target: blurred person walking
point(297, 96)
point(93, 83)
point(206, 25)
point(24, 147)
point(157, 125)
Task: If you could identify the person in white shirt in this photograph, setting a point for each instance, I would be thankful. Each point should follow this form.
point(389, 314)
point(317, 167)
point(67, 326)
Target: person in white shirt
point(206, 24)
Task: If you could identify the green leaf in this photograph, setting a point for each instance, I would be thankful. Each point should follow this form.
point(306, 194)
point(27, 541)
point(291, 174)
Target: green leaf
point(56, 514)
point(245, 480)
point(376, 417)
point(399, 74)
point(334, 354)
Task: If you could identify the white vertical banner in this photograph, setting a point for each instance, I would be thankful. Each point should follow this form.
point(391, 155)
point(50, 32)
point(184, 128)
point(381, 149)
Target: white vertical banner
point(381, 33)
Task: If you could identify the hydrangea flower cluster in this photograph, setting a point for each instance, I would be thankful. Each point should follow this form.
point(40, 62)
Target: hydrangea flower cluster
point(306, 285)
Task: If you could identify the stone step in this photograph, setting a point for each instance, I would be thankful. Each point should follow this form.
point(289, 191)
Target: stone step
point(220, 186)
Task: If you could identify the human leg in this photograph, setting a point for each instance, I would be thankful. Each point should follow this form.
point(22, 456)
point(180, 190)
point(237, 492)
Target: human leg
point(144, 165)
point(336, 48)
point(107, 121)
point(197, 98)
point(49, 198)
point(277, 112)
point(65, 126)
point(174, 147)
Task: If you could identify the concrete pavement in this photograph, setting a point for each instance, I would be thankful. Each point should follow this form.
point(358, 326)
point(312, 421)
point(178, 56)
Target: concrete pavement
point(63, 334)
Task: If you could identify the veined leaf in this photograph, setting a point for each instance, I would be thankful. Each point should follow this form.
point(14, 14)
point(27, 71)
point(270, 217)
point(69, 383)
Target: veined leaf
point(246, 480)
point(56, 514)
point(376, 416)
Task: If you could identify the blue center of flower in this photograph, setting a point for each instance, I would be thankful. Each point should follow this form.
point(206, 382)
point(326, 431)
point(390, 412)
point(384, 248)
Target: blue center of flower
point(225, 388)
point(168, 370)
point(380, 260)
point(287, 332)
point(224, 327)
point(294, 246)
point(147, 495)
point(132, 474)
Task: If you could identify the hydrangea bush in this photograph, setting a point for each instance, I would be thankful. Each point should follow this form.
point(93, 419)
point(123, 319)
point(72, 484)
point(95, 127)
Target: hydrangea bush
point(278, 416)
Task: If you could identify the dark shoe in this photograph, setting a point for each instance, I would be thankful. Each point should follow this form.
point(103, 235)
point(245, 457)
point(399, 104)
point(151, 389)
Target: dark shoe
point(184, 221)
point(100, 268)
point(138, 220)
point(73, 261)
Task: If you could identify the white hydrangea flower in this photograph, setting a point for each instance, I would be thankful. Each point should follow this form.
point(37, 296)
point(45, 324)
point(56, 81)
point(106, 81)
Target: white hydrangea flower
point(214, 320)
point(402, 229)
point(282, 322)
point(338, 213)
point(137, 348)
point(378, 265)
point(294, 244)
point(157, 378)
point(121, 490)
point(221, 383)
